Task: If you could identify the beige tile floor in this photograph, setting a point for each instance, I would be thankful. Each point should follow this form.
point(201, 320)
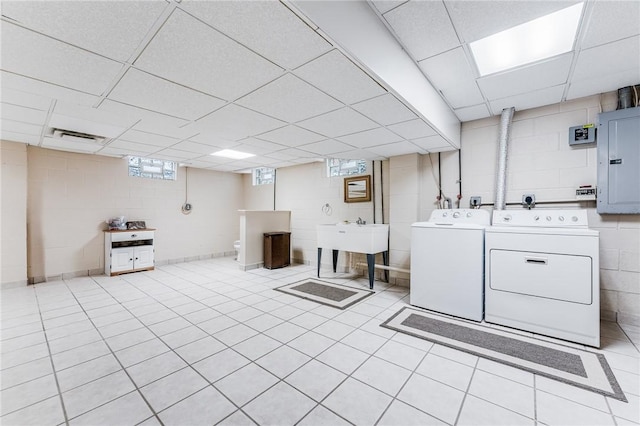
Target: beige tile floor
point(203, 343)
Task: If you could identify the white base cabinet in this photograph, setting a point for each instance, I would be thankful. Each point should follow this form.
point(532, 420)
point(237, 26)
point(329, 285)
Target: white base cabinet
point(128, 251)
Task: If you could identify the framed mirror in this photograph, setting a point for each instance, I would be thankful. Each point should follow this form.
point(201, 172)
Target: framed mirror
point(357, 189)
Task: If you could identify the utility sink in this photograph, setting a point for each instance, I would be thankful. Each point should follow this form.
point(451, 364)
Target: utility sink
point(372, 238)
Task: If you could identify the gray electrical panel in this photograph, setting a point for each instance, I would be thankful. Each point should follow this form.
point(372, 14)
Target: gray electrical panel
point(619, 161)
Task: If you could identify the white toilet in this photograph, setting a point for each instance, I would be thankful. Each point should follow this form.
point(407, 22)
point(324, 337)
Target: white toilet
point(236, 247)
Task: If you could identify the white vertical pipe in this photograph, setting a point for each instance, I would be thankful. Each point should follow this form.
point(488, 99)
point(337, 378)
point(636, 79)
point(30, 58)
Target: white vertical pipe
point(503, 138)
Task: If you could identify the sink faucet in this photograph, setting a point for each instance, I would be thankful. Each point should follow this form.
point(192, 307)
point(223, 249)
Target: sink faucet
point(360, 221)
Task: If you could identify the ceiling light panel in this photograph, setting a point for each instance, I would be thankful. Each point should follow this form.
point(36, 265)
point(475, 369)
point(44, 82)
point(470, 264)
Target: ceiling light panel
point(338, 123)
point(423, 27)
point(453, 75)
point(230, 153)
point(33, 55)
point(474, 20)
point(291, 136)
point(336, 75)
point(369, 138)
point(146, 91)
point(98, 26)
point(290, 99)
point(214, 64)
point(266, 27)
point(413, 129)
point(44, 89)
point(233, 122)
point(385, 110)
point(527, 79)
point(541, 38)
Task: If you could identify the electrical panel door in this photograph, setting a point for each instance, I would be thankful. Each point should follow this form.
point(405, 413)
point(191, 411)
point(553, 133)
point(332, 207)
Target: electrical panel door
point(619, 161)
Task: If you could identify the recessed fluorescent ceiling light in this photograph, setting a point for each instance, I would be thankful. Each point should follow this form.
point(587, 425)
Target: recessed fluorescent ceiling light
point(532, 41)
point(236, 155)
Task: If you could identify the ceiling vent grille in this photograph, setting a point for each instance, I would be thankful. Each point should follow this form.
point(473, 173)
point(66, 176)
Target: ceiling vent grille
point(71, 136)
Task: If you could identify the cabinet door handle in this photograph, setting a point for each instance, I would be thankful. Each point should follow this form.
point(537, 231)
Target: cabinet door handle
point(536, 260)
point(130, 260)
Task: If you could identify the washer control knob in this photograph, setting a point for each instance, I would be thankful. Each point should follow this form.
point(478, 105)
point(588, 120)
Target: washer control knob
point(507, 218)
point(456, 215)
point(469, 214)
point(561, 218)
point(536, 218)
point(445, 214)
point(548, 218)
point(574, 219)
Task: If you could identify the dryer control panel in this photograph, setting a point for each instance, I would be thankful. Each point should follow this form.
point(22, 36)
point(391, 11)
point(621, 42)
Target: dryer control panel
point(543, 218)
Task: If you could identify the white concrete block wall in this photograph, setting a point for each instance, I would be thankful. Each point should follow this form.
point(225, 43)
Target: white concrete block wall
point(542, 162)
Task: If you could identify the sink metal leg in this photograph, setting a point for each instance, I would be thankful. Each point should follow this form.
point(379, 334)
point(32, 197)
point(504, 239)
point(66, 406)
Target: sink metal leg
point(335, 260)
point(371, 260)
point(319, 258)
point(385, 260)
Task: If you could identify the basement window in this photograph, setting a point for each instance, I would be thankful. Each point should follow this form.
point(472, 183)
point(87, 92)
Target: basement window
point(341, 167)
point(264, 176)
point(152, 168)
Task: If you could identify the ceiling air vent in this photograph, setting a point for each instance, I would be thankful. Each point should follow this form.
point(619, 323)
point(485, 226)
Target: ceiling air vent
point(71, 136)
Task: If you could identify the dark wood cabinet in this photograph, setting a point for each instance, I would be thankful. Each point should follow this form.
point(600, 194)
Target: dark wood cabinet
point(277, 250)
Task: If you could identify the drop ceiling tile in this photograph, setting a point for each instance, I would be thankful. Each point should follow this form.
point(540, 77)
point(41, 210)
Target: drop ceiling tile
point(294, 154)
point(398, 148)
point(33, 87)
point(110, 31)
point(266, 27)
point(369, 138)
point(359, 154)
point(600, 61)
point(472, 113)
point(474, 20)
point(24, 99)
point(385, 110)
point(412, 129)
point(423, 27)
point(338, 123)
point(150, 120)
point(603, 83)
point(529, 78)
point(18, 137)
point(33, 55)
point(611, 21)
point(207, 139)
point(196, 148)
point(326, 147)
point(384, 6)
point(548, 96)
point(453, 75)
point(143, 90)
point(148, 138)
point(234, 122)
point(83, 147)
point(20, 127)
point(262, 145)
point(84, 112)
point(176, 153)
point(191, 53)
point(336, 75)
point(26, 115)
point(76, 124)
point(133, 146)
point(291, 136)
point(432, 143)
point(253, 149)
point(290, 99)
point(110, 151)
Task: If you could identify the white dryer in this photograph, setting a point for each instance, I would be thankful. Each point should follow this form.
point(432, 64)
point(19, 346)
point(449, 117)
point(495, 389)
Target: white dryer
point(542, 274)
point(447, 262)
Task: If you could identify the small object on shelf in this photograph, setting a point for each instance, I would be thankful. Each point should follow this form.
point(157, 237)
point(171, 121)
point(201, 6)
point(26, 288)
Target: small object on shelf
point(136, 224)
point(116, 223)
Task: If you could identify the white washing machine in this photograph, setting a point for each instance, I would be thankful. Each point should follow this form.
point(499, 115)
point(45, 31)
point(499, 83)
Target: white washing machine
point(447, 262)
point(542, 274)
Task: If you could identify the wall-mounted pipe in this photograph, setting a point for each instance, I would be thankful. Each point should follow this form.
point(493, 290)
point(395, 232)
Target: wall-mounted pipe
point(503, 139)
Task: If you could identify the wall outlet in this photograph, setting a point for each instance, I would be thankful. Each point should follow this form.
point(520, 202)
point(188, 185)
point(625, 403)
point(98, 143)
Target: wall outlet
point(475, 202)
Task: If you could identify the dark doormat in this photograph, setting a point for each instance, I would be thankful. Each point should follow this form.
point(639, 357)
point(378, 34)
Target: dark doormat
point(338, 296)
